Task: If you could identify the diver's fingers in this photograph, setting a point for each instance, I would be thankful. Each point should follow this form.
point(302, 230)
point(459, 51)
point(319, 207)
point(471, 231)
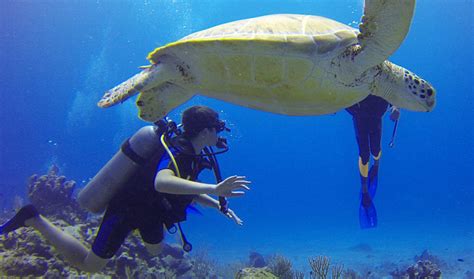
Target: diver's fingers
point(238, 221)
point(241, 183)
point(234, 178)
point(231, 215)
point(229, 179)
point(246, 182)
point(236, 194)
point(240, 186)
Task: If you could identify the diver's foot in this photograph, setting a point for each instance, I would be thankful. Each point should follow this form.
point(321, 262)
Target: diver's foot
point(18, 221)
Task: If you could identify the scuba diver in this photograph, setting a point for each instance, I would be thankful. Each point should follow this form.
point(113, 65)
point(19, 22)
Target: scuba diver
point(367, 118)
point(148, 185)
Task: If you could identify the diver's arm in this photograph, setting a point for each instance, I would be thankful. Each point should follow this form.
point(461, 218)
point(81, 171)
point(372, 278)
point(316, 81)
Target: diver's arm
point(167, 182)
point(207, 200)
point(231, 215)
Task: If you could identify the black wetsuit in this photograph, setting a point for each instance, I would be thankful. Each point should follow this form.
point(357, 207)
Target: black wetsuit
point(139, 206)
point(367, 117)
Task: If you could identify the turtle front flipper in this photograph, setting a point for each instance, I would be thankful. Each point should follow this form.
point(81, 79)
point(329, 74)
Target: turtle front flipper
point(157, 102)
point(383, 28)
point(146, 79)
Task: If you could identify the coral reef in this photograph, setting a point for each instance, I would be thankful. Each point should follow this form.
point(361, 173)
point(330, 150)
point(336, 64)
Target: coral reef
point(52, 195)
point(420, 270)
point(24, 253)
point(427, 256)
point(230, 269)
point(424, 269)
point(469, 275)
point(426, 266)
point(256, 260)
point(255, 273)
point(351, 274)
point(320, 268)
point(202, 265)
point(281, 267)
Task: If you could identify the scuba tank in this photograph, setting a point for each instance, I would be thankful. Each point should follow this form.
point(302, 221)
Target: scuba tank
point(133, 153)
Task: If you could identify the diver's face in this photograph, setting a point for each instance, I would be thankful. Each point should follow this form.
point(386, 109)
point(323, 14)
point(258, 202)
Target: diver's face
point(211, 136)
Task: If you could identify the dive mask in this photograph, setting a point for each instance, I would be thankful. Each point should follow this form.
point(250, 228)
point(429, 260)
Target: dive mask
point(220, 126)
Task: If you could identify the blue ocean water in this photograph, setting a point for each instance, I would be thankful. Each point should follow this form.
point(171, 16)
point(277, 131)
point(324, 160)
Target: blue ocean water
point(58, 57)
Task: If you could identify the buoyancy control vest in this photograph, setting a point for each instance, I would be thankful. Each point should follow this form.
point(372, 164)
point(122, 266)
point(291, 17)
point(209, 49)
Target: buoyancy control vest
point(132, 156)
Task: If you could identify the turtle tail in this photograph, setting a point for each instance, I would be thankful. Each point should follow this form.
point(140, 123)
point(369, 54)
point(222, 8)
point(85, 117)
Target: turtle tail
point(128, 88)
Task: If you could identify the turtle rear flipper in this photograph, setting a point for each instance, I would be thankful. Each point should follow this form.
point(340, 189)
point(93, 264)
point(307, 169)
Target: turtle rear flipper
point(157, 102)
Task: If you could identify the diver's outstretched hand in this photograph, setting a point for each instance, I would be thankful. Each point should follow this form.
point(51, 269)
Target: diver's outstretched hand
point(228, 187)
point(394, 113)
point(231, 215)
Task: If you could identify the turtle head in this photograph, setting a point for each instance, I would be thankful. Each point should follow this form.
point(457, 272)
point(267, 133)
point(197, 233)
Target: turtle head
point(402, 88)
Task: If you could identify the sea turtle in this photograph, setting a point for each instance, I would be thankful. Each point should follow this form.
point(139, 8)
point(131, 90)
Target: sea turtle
point(285, 63)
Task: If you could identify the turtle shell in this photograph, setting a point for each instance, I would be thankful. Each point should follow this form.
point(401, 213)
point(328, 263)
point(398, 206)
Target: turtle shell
point(270, 35)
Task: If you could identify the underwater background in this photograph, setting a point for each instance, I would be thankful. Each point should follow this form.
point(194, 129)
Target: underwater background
point(57, 58)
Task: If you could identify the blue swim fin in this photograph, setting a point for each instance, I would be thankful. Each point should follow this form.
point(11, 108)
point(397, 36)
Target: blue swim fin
point(18, 221)
point(373, 180)
point(367, 216)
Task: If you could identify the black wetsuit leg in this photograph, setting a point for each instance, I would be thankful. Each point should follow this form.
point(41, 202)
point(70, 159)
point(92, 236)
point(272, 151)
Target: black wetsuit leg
point(377, 108)
point(152, 232)
point(112, 233)
point(375, 135)
point(362, 136)
point(367, 117)
point(120, 219)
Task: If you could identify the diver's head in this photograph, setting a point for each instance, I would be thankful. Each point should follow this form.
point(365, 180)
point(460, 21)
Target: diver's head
point(204, 123)
point(402, 88)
